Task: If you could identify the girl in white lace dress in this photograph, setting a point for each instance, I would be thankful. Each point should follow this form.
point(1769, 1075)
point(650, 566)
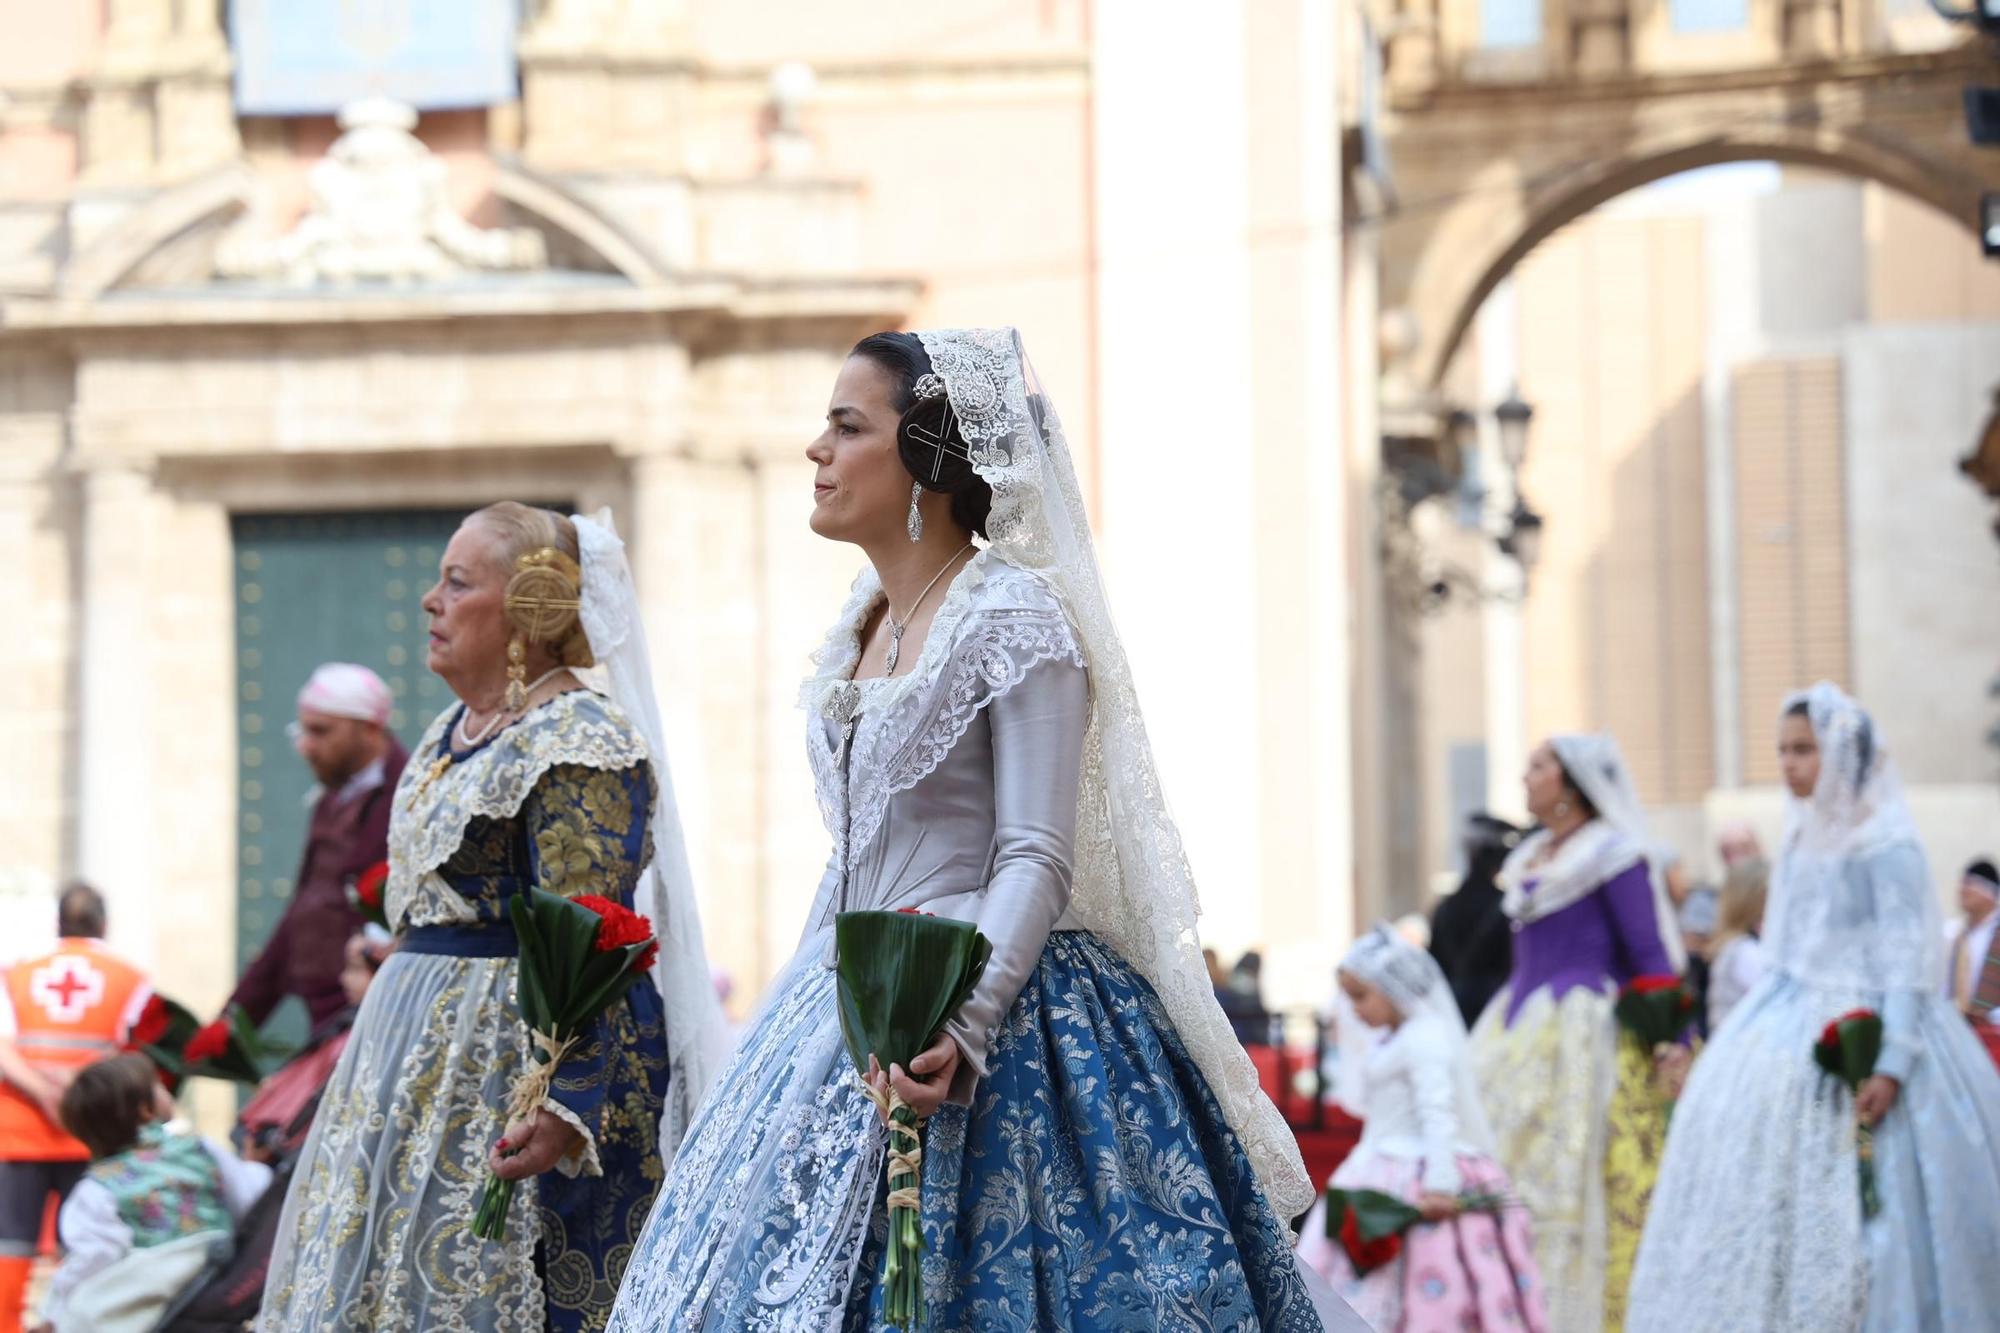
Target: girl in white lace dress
point(1757, 1224)
point(1099, 1156)
point(1425, 1140)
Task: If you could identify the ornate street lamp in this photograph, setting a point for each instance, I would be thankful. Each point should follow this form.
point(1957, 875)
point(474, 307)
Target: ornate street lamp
point(1421, 464)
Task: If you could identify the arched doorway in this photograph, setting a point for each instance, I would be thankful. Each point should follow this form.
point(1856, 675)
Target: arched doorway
point(1751, 385)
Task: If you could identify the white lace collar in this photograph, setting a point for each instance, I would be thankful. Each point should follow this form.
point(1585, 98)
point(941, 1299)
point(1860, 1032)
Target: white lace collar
point(832, 687)
point(1593, 854)
point(435, 806)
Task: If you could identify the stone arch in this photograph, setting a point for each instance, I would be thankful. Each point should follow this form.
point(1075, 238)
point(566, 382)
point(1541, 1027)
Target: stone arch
point(1478, 243)
point(216, 198)
point(205, 200)
point(553, 205)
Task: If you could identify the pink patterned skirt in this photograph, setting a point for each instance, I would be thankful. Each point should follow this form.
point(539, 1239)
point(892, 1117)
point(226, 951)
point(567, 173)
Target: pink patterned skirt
point(1473, 1272)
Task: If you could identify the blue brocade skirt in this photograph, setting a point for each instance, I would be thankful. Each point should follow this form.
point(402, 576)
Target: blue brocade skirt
point(1093, 1183)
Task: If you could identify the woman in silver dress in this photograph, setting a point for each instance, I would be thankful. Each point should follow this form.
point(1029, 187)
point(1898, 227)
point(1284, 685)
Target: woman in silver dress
point(1098, 1155)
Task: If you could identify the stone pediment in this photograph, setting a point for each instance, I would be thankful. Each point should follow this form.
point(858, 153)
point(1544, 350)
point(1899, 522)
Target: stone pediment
point(379, 220)
point(380, 213)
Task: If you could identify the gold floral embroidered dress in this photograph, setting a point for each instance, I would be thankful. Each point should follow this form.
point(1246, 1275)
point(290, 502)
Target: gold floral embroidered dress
point(376, 1233)
point(1577, 1122)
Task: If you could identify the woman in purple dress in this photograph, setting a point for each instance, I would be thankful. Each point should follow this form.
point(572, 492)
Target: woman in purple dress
point(1575, 1119)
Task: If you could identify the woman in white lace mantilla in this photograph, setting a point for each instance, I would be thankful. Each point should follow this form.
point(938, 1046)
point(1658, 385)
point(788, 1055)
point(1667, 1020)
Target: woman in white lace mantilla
point(533, 781)
point(1099, 1155)
point(1757, 1224)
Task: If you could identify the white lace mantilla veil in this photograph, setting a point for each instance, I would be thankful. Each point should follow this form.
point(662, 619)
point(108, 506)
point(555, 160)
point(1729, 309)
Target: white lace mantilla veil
point(1133, 886)
point(1416, 985)
point(1597, 766)
point(1857, 808)
point(697, 1040)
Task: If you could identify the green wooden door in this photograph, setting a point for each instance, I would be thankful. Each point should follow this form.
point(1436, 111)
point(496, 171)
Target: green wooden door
point(314, 588)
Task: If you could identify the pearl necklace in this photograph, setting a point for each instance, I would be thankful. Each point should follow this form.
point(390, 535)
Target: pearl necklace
point(896, 626)
point(466, 741)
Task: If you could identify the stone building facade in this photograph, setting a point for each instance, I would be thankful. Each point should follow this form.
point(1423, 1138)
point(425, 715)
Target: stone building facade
point(253, 367)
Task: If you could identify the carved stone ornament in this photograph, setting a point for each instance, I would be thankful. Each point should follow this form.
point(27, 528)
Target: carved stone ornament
point(380, 212)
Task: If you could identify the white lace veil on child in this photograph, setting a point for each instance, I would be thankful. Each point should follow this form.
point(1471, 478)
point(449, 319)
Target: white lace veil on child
point(1411, 981)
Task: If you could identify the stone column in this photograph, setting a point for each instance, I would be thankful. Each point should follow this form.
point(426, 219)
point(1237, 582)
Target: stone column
point(115, 835)
point(704, 620)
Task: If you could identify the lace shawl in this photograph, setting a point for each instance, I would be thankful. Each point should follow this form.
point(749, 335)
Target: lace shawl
point(995, 624)
point(430, 821)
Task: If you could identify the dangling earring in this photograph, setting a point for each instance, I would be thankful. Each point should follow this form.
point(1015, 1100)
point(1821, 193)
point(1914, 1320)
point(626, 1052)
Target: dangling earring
point(916, 520)
point(517, 675)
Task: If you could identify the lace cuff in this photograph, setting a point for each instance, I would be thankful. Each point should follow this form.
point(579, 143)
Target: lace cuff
point(582, 1160)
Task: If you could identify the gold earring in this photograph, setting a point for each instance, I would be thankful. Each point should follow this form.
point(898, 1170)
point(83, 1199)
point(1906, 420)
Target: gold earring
point(517, 675)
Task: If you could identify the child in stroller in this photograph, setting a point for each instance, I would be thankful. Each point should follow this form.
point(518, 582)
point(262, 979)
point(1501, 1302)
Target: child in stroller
point(272, 1128)
point(151, 1203)
point(219, 1288)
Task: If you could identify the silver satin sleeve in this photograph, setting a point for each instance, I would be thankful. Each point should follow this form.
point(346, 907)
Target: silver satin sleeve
point(1038, 728)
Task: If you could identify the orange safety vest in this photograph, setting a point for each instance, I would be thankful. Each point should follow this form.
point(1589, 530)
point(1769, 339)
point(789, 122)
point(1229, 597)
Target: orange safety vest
point(69, 1008)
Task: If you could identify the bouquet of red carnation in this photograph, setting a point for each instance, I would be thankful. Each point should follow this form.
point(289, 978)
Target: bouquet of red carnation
point(1657, 1010)
point(365, 894)
point(1848, 1049)
point(901, 975)
point(180, 1047)
point(578, 958)
point(1370, 1224)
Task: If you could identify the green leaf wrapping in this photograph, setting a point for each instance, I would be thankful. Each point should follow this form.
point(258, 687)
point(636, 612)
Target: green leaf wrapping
point(1656, 1018)
point(901, 975)
point(1852, 1057)
point(563, 985)
point(1375, 1214)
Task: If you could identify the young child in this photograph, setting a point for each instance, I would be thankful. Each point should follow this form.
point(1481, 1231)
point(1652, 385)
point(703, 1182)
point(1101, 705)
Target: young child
point(1424, 1140)
point(147, 1184)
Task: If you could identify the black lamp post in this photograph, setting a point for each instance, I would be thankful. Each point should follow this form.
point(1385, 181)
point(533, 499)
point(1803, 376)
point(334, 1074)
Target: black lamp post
point(1514, 416)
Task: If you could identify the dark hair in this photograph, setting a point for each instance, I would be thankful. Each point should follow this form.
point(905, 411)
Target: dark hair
point(1864, 737)
point(80, 913)
point(1487, 842)
point(109, 1102)
point(944, 469)
point(1984, 869)
point(1584, 803)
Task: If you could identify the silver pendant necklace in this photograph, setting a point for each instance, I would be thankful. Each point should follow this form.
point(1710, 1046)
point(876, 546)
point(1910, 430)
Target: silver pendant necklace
point(896, 626)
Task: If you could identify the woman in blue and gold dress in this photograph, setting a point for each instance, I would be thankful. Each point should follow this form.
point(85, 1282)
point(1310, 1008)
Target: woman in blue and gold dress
point(531, 781)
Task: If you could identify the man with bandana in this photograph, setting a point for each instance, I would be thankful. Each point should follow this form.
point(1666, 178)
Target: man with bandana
point(343, 734)
point(1972, 967)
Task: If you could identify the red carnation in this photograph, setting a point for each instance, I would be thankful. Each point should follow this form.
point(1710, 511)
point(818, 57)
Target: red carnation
point(1852, 1014)
point(369, 885)
point(152, 1024)
point(1649, 985)
point(620, 928)
point(208, 1043)
point(913, 911)
point(1367, 1255)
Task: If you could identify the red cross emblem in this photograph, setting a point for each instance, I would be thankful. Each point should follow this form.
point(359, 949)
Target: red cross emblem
point(66, 988)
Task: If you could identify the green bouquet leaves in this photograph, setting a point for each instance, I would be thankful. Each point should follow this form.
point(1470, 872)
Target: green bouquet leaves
point(901, 976)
